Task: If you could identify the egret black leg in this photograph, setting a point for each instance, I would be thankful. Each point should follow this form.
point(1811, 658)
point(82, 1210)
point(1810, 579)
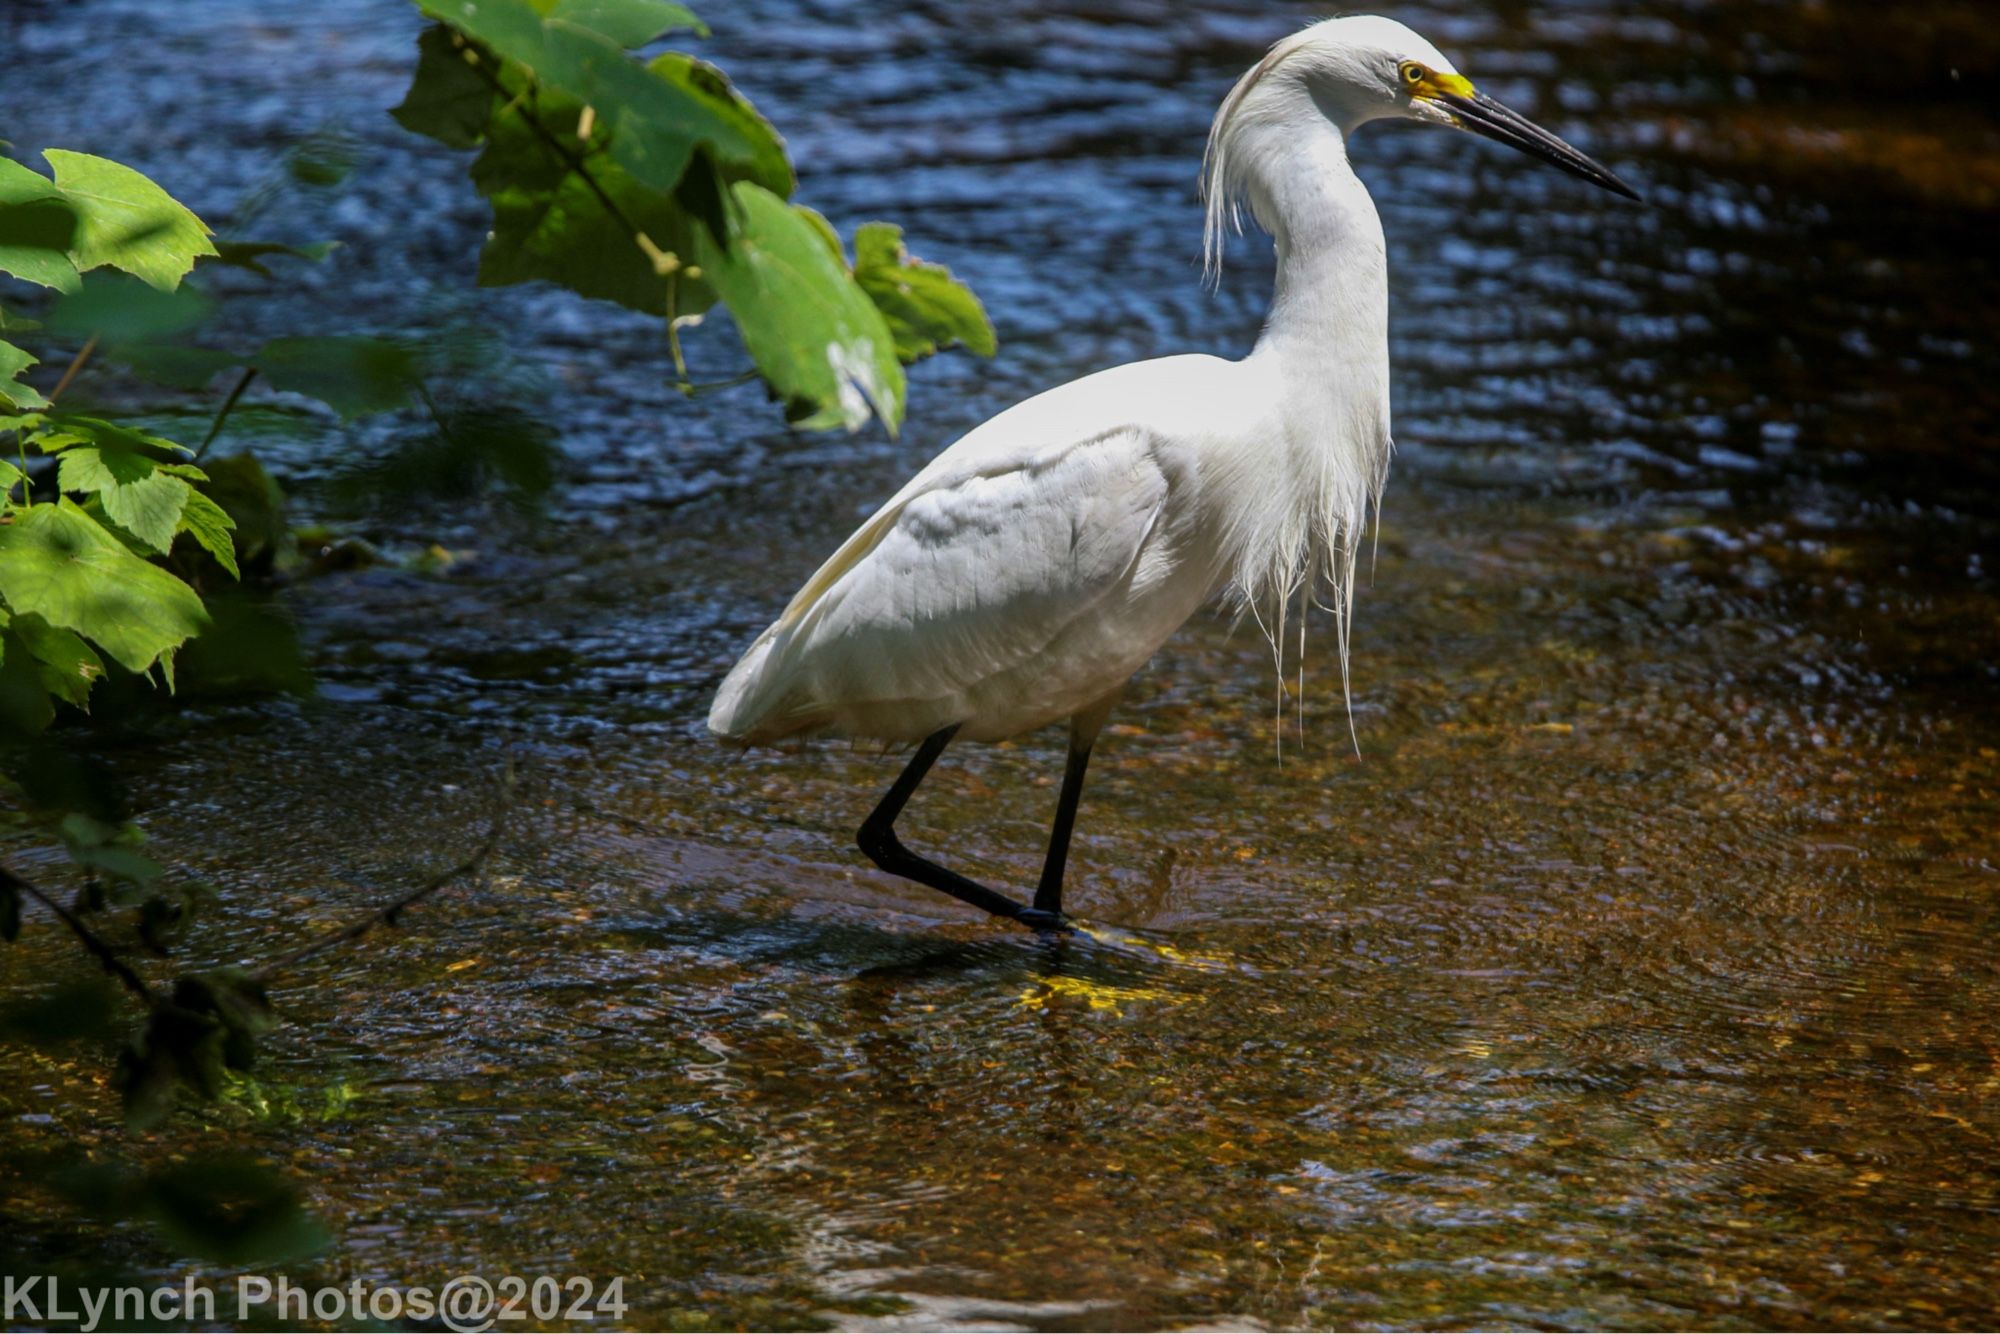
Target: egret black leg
point(878, 839)
point(1083, 730)
point(1048, 895)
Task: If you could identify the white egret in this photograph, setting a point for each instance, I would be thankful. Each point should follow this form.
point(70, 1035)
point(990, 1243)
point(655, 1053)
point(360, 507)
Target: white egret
point(1035, 565)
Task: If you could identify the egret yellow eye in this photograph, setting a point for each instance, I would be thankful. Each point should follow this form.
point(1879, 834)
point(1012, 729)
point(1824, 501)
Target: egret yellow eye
point(1413, 73)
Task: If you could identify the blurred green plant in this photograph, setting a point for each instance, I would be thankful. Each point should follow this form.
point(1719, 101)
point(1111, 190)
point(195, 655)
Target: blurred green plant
point(201, 1035)
point(137, 567)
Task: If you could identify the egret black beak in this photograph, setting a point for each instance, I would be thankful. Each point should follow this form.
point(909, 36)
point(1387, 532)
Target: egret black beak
point(1482, 115)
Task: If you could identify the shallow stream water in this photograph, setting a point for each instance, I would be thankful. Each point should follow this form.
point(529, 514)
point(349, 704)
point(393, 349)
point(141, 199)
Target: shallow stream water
point(1632, 964)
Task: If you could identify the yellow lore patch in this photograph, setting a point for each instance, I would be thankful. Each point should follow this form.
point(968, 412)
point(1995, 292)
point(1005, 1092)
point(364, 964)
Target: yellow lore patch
point(1426, 83)
point(1435, 85)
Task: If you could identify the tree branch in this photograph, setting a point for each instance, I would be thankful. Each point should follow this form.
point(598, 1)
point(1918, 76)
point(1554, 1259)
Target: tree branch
point(228, 404)
point(574, 161)
point(74, 367)
point(387, 914)
point(106, 957)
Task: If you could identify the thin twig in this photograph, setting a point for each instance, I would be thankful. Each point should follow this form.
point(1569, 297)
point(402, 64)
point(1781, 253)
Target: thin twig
point(437, 417)
point(681, 381)
point(387, 914)
point(106, 957)
point(711, 386)
point(215, 427)
point(74, 367)
point(574, 161)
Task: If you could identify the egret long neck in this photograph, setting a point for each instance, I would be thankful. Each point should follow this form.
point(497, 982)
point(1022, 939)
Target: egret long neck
point(1329, 323)
point(1324, 358)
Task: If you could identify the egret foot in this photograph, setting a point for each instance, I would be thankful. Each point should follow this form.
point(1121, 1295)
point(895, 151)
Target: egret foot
point(879, 841)
point(877, 836)
point(1045, 923)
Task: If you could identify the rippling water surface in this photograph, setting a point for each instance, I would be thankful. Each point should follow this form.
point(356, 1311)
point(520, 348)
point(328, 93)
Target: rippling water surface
point(1640, 968)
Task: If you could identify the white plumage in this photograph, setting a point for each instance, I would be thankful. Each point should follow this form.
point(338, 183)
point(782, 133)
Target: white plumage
point(1023, 575)
point(1035, 565)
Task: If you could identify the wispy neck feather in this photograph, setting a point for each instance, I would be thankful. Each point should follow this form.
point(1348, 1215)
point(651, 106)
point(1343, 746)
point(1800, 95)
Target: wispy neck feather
point(1304, 83)
point(1325, 345)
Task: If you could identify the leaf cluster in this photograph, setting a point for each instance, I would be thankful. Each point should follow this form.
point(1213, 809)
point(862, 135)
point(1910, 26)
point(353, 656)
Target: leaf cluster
point(82, 576)
point(653, 183)
point(107, 533)
point(118, 548)
point(118, 551)
point(207, 1027)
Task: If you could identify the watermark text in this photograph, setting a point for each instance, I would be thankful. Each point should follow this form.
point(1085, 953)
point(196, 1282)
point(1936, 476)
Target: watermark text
point(468, 1303)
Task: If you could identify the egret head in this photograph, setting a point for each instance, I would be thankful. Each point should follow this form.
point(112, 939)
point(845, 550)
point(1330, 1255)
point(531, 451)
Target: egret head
point(1349, 71)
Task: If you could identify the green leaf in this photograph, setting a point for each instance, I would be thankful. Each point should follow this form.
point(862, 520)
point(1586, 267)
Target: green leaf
point(41, 431)
point(37, 228)
point(137, 496)
point(927, 309)
point(234, 1212)
point(127, 222)
point(69, 667)
point(9, 477)
point(352, 375)
point(814, 334)
point(211, 527)
point(252, 254)
point(86, 468)
point(550, 225)
point(628, 22)
point(26, 707)
point(60, 431)
point(176, 365)
point(58, 562)
point(123, 469)
point(826, 234)
point(653, 117)
point(254, 503)
point(252, 648)
point(448, 99)
point(111, 850)
point(741, 143)
point(123, 311)
point(14, 393)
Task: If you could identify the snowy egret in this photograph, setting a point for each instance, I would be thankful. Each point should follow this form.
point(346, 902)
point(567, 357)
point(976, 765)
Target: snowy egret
point(1035, 565)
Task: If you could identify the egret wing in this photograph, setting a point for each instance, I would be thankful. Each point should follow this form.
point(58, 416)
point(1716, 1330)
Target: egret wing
point(969, 575)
